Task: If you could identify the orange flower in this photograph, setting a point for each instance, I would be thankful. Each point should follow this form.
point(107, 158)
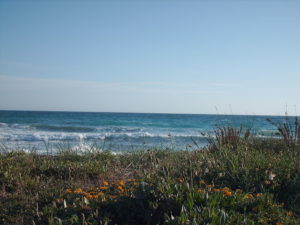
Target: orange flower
point(103, 188)
point(215, 190)
point(279, 223)
point(248, 196)
point(69, 191)
point(209, 186)
point(88, 196)
point(227, 193)
point(78, 191)
point(122, 183)
point(105, 183)
point(259, 195)
point(179, 180)
point(59, 200)
point(91, 196)
point(130, 180)
point(120, 188)
point(225, 189)
point(200, 191)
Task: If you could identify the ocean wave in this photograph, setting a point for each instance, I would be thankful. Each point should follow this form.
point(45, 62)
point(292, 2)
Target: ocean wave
point(13, 125)
point(119, 136)
point(3, 124)
point(63, 128)
point(78, 138)
point(41, 132)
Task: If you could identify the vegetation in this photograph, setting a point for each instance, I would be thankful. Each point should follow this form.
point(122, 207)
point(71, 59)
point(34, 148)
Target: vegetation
point(235, 181)
point(289, 130)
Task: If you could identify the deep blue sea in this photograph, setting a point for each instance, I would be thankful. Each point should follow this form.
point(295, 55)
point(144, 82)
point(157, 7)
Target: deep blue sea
point(118, 132)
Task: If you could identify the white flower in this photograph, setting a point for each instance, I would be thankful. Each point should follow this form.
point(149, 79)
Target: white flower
point(272, 176)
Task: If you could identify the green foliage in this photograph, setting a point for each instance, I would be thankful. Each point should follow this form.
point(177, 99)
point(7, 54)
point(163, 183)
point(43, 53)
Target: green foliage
point(252, 182)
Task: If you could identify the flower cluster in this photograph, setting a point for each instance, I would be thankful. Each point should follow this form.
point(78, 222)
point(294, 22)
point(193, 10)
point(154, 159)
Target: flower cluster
point(106, 190)
point(226, 191)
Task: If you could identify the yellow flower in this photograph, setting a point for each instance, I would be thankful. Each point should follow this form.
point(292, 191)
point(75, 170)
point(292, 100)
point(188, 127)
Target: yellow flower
point(248, 196)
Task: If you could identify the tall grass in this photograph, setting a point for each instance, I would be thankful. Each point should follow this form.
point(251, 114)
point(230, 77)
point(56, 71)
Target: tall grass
point(289, 130)
point(228, 136)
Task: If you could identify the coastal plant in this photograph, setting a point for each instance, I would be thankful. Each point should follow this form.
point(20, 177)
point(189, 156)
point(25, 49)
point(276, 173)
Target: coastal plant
point(288, 129)
point(228, 136)
point(251, 185)
point(166, 202)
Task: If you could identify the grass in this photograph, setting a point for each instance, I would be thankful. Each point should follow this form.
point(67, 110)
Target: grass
point(289, 130)
point(246, 181)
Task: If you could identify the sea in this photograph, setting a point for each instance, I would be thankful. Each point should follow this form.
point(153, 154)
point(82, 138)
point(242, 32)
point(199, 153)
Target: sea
point(48, 132)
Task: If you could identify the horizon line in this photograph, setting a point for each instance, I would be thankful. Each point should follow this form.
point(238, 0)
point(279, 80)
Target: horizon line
point(213, 114)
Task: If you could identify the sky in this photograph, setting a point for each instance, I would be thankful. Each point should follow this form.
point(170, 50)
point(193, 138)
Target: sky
point(237, 57)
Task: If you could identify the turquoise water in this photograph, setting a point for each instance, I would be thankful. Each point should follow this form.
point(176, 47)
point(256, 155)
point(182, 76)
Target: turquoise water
point(117, 131)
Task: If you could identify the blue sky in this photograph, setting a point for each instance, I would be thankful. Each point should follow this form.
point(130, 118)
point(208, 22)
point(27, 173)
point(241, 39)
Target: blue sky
point(150, 56)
